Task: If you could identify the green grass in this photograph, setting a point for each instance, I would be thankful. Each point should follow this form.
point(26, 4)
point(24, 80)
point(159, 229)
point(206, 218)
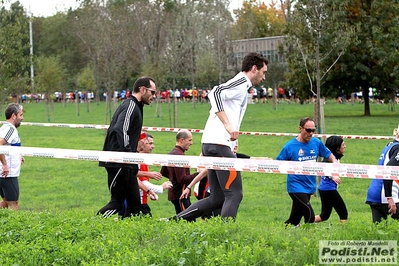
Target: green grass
point(57, 225)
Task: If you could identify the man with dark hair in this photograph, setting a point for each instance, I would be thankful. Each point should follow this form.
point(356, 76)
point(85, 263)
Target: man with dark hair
point(122, 136)
point(301, 187)
point(179, 176)
point(11, 163)
point(228, 105)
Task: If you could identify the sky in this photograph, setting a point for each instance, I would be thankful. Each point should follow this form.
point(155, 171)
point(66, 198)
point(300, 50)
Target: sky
point(47, 8)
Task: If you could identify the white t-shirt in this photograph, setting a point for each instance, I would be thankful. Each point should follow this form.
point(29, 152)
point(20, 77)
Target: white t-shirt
point(10, 134)
point(230, 97)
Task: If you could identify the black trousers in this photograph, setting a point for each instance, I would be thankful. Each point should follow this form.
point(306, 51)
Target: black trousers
point(300, 208)
point(380, 211)
point(332, 199)
point(122, 184)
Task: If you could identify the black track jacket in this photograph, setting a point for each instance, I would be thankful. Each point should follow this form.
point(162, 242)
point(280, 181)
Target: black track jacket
point(124, 131)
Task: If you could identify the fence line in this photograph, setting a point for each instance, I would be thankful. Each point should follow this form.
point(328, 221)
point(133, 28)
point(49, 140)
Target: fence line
point(166, 129)
point(217, 163)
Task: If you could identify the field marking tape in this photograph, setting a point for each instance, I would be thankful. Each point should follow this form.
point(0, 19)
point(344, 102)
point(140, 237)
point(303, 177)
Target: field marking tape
point(217, 163)
point(166, 129)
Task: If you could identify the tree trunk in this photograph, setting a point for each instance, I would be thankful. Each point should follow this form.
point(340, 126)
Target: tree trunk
point(366, 101)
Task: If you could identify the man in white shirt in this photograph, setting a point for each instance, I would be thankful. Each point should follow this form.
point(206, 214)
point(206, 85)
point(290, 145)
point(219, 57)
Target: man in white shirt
point(228, 105)
point(11, 163)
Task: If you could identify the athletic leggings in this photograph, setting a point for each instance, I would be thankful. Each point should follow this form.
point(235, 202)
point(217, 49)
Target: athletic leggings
point(332, 199)
point(300, 208)
point(225, 186)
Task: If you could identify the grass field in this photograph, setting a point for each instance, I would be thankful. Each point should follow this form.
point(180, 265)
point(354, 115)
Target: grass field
point(57, 225)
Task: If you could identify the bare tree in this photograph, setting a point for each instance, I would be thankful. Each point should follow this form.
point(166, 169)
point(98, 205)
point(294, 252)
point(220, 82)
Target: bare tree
point(104, 29)
point(317, 35)
point(50, 75)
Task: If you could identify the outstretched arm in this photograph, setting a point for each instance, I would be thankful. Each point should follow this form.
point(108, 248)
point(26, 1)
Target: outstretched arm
point(198, 178)
point(158, 188)
point(153, 175)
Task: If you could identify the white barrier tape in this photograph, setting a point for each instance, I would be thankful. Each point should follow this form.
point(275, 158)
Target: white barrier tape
point(166, 129)
point(217, 163)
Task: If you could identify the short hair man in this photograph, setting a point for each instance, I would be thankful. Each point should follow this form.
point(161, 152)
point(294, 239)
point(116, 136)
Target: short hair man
point(11, 163)
point(228, 105)
point(146, 145)
point(123, 136)
point(301, 187)
point(179, 177)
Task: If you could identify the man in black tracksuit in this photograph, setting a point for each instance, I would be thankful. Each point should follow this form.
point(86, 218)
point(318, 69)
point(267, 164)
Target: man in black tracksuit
point(122, 136)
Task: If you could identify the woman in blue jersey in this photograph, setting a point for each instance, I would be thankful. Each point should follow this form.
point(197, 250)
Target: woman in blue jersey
point(301, 187)
point(330, 198)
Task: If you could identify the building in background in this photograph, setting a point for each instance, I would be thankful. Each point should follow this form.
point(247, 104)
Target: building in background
point(267, 46)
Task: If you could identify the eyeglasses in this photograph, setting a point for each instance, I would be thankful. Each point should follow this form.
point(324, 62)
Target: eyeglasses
point(152, 91)
point(310, 130)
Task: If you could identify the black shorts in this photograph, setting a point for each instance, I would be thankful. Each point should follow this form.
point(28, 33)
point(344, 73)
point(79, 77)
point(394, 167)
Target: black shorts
point(9, 188)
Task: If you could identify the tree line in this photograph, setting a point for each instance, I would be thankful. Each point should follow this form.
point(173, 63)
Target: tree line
point(332, 46)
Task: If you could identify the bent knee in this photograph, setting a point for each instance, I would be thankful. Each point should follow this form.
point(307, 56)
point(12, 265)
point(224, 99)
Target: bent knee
point(237, 197)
